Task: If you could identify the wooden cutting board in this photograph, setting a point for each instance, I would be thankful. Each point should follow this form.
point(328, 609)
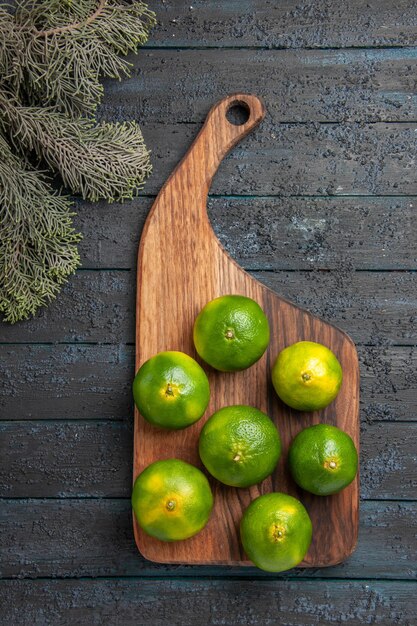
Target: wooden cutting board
point(181, 266)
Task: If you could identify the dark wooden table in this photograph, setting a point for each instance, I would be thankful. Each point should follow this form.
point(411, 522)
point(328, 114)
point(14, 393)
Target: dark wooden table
point(320, 204)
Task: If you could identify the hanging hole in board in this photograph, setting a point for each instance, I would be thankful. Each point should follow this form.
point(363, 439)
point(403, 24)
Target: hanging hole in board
point(238, 113)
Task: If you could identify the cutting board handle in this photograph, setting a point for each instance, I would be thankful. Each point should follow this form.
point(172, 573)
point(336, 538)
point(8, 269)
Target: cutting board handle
point(219, 135)
point(192, 178)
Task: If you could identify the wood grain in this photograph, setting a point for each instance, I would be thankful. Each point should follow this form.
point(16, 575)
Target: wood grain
point(181, 266)
point(284, 24)
point(92, 459)
point(335, 159)
point(272, 233)
point(206, 602)
point(93, 382)
point(296, 86)
point(92, 537)
point(373, 307)
point(68, 386)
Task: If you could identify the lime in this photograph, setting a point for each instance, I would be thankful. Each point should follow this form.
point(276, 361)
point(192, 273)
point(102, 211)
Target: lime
point(307, 376)
point(172, 500)
point(231, 333)
point(276, 532)
point(171, 390)
point(323, 459)
point(239, 445)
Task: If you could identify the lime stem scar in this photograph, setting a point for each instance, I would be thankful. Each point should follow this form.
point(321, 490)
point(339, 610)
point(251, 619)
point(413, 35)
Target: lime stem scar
point(236, 457)
point(332, 464)
point(305, 376)
point(277, 533)
point(170, 505)
point(230, 334)
point(169, 391)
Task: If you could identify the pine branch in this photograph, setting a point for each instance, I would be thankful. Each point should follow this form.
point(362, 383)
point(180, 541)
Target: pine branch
point(81, 23)
point(48, 14)
point(52, 56)
point(107, 161)
point(70, 45)
point(38, 243)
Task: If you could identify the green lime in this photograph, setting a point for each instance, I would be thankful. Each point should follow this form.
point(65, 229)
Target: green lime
point(239, 445)
point(231, 333)
point(171, 390)
point(276, 532)
point(172, 500)
point(323, 459)
point(307, 376)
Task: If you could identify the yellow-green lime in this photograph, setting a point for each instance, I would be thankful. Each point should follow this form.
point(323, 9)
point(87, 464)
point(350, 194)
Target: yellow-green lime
point(239, 445)
point(323, 459)
point(171, 390)
point(307, 376)
point(231, 333)
point(276, 532)
point(172, 500)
